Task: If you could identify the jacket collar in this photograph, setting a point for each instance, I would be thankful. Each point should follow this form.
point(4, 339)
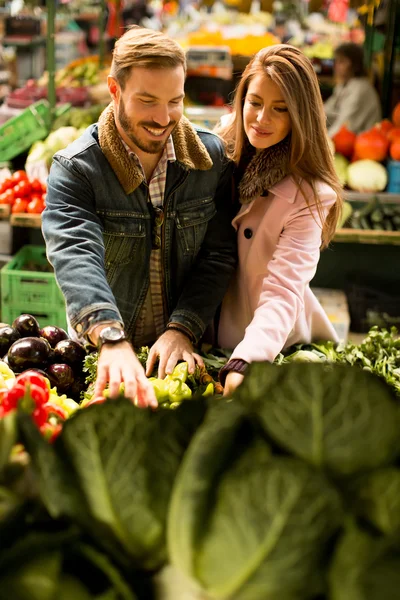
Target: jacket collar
point(189, 149)
point(287, 189)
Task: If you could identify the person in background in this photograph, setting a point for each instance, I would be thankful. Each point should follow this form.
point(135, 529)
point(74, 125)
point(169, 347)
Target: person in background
point(138, 221)
point(290, 202)
point(354, 102)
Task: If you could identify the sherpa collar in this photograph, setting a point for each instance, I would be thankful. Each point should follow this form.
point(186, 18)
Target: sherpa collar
point(190, 150)
point(265, 169)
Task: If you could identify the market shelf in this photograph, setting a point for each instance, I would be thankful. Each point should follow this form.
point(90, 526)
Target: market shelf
point(26, 220)
point(367, 236)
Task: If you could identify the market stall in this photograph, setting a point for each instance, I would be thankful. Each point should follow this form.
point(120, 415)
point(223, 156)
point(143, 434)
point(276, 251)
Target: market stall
point(287, 489)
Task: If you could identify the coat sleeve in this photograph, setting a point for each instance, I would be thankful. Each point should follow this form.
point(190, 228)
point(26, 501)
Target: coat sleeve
point(71, 228)
point(289, 272)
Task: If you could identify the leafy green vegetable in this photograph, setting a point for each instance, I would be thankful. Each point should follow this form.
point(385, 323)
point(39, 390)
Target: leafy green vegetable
point(54, 565)
point(376, 498)
point(364, 567)
point(244, 524)
point(338, 418)
point(112, 470)
point(35, 579)
point(378, 353)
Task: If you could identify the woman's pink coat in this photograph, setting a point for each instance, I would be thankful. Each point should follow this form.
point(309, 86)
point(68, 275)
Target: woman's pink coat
point(269, 304)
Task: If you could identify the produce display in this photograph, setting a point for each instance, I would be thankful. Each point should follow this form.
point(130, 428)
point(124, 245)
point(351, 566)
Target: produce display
point(375, 215)
point(24, 345)
point(42, 152)
point(81, 72)
point(283, 491)
point(23, 194)
point(359, 158)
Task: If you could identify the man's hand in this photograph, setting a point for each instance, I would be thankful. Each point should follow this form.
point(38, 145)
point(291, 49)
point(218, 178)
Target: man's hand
point(118, 363)
point(232, 381)
point(171, 347)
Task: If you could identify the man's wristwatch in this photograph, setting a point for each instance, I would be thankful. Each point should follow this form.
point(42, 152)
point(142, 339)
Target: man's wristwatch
point(110, 335)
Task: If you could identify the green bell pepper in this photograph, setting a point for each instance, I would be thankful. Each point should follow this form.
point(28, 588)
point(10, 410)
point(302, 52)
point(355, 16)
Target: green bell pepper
point(180, 372)
point(160, 389)
point(178, 391)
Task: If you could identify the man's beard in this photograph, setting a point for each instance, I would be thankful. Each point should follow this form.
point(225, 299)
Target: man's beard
point(151, 146)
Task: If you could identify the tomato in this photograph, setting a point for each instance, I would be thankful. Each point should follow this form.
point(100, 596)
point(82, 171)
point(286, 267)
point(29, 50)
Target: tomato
point(6, 185)
point(35, 206)
point(19, 176)
point(37, 187)
point(37, 197)
point(7, 197)
point(19, 205)
point(23, 188)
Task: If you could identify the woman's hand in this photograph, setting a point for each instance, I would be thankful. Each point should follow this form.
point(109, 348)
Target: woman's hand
point(119, 364)
point(232, 381)
point(171, 347)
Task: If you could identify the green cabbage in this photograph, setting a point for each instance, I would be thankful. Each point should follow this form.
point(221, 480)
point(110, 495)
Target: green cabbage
point(112, 471)
point(247, 525)
point(335, 417)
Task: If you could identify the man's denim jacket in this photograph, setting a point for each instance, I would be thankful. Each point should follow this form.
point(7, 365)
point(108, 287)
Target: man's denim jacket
point(98, 228)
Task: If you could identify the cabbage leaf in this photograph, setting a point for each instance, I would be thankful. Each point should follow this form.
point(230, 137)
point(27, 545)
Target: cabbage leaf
point(111, 471)
point(335, 417)
point(364, 567)
point(375, 497)
point(244, 524)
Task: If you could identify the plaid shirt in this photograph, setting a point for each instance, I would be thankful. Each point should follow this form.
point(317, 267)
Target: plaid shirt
point(152, 320)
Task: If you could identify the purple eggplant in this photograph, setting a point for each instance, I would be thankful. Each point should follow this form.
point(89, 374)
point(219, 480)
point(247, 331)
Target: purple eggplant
point(26, 325)
point(28, 352)
point(61, 376)
point(53, 334)
point(70, 352)
point(8, 335)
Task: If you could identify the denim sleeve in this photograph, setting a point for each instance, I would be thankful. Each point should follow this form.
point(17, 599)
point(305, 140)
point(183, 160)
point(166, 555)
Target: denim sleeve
point(215, 263)
point(75, 247)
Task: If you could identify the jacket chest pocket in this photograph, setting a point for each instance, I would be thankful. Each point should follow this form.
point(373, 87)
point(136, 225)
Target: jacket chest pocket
point(191, 222)
point(122, 235)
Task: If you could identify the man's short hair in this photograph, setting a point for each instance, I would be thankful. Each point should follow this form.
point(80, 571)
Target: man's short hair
point(145, 48)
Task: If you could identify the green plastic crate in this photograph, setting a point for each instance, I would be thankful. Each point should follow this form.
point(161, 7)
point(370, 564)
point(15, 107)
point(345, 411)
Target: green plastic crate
point(33, 124)
point(24, 290)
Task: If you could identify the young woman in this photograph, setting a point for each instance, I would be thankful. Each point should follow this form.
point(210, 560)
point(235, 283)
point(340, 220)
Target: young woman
point(290, 202)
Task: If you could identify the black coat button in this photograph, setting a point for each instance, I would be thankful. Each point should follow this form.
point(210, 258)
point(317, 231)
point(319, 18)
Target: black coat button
point(248, 233)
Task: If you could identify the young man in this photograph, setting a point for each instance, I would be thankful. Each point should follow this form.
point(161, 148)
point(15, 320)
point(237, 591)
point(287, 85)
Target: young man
point(138, 220)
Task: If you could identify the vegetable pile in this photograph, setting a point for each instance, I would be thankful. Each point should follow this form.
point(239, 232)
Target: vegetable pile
point(367, 151)
point(289, 490)
point(23, 194)
point(378, 353)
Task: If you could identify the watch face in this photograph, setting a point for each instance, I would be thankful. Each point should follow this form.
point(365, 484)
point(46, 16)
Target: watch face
point(111, 334)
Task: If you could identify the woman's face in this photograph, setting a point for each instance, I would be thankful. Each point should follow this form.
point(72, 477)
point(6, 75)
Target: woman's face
point(266, 118)
point(342, 69)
